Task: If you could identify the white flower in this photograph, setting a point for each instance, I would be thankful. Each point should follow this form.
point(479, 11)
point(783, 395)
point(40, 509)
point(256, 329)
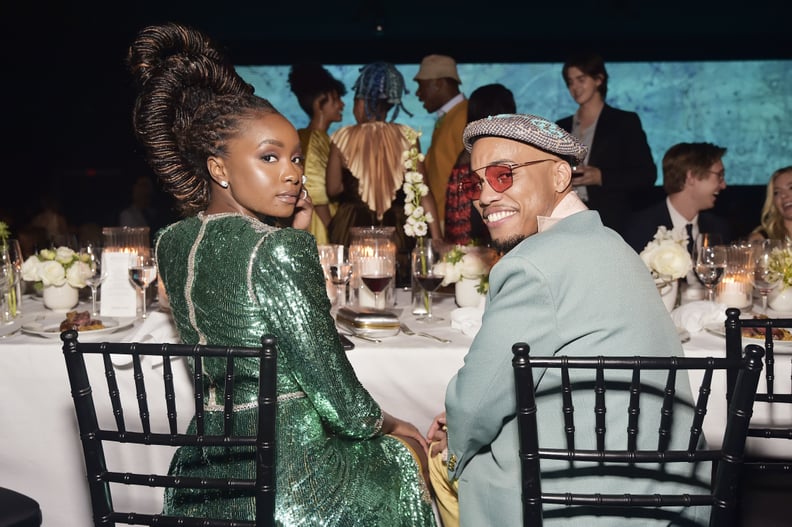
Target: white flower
point(56, 267)
point(472, 266)
point(465, 261)
point(77, 273)
point(666, 255)
point(64, 255)
point(52, 273)
point(414, 190)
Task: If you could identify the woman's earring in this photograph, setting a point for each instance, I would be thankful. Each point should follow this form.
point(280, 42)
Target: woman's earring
point(224, 184)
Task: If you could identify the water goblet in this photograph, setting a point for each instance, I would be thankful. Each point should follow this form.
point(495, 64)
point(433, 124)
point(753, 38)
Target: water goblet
point(427, 274)
point(710, 267)
point(340, 274)
point(376, 274)
point(97, 275)
point(142, 273)
point(764, 279)
point(11, 256)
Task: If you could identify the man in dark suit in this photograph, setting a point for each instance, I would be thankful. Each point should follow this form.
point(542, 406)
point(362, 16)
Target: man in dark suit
point(619, 165)
point(693, 175)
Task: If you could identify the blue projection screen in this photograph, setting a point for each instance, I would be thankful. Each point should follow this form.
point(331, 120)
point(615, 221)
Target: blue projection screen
point(745, 106)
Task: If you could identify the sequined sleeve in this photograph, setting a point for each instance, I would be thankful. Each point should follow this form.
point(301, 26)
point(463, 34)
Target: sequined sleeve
point(288, 280)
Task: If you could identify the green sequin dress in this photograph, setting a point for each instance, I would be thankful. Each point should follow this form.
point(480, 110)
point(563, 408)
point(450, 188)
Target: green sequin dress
point(230, 279)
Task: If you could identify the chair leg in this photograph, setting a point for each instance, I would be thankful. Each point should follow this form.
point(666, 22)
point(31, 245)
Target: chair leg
point(18, 510)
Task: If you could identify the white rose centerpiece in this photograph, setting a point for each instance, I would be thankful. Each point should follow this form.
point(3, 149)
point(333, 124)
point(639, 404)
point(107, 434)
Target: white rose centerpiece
point(56, 267)
point(466, 261)
point(468, 267)
point(668, 260)
point(666, 255)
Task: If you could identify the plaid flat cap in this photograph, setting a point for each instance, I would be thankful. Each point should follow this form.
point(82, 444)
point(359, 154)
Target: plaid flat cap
point(529, 129)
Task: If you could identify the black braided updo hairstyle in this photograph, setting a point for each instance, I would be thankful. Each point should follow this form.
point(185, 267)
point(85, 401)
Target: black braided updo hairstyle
point(381, 86)
point(190, 103)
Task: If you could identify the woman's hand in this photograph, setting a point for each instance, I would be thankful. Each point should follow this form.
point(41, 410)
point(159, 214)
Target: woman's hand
point(303, 210)
point(438, 435)
point(395, 426)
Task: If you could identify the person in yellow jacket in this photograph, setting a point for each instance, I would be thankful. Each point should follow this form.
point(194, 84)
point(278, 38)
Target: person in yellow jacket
point(438, 90)
point(319, 95)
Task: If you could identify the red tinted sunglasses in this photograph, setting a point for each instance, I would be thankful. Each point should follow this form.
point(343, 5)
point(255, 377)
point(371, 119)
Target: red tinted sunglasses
point(499, 176)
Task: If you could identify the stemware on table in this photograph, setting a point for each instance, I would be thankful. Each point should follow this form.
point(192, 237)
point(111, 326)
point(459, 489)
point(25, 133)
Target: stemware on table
point(97, 276)
point(340, 274)
point(6, 285)
point(710, 267)
point(376, 273)
point(12, 256)
point(142, 273)
point(763, 278)
point(424, 259)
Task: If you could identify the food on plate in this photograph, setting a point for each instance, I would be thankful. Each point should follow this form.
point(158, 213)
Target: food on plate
point(780, 334)
point(80, 321)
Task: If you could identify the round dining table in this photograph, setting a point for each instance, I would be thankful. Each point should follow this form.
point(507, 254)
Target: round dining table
point(41, 454)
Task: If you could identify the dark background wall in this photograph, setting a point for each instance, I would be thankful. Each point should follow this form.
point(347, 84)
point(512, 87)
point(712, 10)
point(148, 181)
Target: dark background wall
point(68, 97)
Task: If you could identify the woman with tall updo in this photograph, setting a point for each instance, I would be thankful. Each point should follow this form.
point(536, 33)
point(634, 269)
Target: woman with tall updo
point(239, 265)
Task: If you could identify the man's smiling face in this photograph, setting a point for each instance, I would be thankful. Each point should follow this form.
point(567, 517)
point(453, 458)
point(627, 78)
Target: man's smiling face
point(511, 215)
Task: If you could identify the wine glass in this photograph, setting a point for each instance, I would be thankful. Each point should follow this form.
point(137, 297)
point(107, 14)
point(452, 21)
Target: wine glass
point(764, 279)
point(13, 257)
point(97, 276)
point(6, 285)
point(427, 274)
point(710, 267)
point(376, 274)
point(340, 274)
point(142, 272)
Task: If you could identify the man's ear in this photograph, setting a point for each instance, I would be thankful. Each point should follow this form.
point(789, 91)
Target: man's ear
point(562, 176)
point(689, 177)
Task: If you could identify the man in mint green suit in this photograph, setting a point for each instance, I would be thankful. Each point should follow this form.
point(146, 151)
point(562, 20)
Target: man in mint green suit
point(566, 285)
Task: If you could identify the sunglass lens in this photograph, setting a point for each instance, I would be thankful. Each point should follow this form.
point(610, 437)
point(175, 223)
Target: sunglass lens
point(471, 187)
point(499, 177)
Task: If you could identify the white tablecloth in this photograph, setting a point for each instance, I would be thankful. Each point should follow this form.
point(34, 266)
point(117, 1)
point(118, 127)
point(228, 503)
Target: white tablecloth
point(705, 343)
point(40, 452)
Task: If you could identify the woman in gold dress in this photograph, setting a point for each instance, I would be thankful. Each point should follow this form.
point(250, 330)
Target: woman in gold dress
point(319, 95)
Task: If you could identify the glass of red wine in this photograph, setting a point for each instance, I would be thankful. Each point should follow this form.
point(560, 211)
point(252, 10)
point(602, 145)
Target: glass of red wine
point(425, 256)
point(376, 274)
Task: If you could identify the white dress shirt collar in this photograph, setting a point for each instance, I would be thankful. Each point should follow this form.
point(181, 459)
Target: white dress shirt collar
point(678, 221)
point(444, 109)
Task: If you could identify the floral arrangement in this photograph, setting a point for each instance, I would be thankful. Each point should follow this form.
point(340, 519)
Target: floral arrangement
point(466, 261)
point(666, 255)
point(415, 189)
point(57, 267)
point(781, 266)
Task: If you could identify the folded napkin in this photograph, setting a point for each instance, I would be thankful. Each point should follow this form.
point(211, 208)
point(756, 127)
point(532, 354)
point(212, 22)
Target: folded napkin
point(158, 327)
point(695, 316)
point(467, 320)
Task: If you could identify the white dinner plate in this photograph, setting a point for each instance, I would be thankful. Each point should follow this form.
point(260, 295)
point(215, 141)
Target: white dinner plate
point(48, 325)
point(720, 330)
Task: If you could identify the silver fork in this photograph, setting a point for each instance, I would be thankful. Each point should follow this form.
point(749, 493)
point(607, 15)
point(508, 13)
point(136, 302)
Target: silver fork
point(408, 331)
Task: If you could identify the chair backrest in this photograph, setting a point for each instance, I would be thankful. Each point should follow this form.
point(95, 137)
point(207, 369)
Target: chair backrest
point(775, 391)
point(599, 387)
point(94, 436)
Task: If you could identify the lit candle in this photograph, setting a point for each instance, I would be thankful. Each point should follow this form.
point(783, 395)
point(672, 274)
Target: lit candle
point(733, 294)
